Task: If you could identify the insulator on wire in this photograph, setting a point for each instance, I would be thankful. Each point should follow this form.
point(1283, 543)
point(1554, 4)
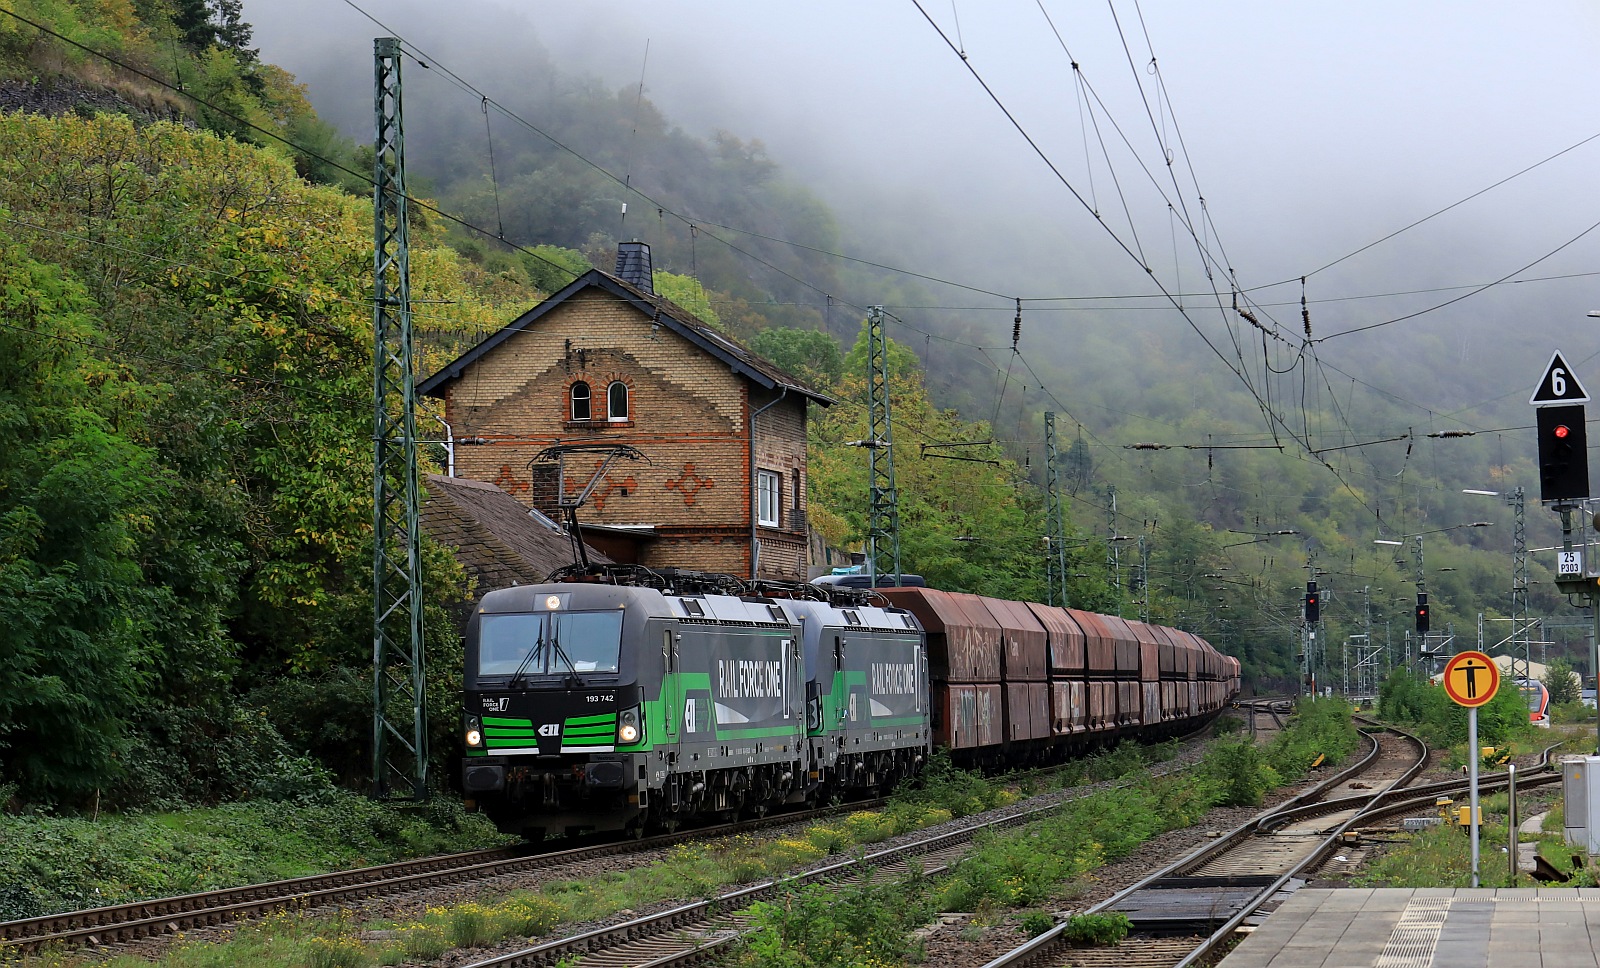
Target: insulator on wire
point(1016, 327)
point(1305, 313)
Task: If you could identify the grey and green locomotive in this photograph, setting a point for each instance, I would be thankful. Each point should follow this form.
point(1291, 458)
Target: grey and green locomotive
point(632, 699)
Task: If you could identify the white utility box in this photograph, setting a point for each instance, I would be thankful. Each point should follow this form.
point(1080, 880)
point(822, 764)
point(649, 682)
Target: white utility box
point(1580, 790)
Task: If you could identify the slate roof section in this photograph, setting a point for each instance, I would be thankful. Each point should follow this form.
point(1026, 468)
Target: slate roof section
point(672, 316)
point(495, 538)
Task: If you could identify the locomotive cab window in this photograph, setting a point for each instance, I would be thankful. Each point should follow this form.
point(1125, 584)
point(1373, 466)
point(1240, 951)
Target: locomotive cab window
point(553, 643)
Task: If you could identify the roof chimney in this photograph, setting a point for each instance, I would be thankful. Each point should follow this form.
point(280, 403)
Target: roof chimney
point(633, 266)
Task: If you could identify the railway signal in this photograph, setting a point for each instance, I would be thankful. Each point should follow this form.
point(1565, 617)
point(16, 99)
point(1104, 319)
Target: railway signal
point(1422, 613)
point(1563, 453)
point(1313, 603)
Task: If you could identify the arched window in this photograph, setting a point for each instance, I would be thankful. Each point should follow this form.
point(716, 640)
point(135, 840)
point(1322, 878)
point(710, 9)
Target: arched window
point(580, 400)
point(617, 401)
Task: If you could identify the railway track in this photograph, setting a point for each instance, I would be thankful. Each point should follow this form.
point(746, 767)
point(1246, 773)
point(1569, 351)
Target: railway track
point(123, 923)
point(706, 931)
point(1186, 912)
point(115, 925)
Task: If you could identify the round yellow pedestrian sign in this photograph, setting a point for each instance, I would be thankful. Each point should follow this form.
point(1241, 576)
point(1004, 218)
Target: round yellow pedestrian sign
point(1471, 679)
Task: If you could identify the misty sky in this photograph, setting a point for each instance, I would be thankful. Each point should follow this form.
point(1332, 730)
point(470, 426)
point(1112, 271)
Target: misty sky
point(1312, 130)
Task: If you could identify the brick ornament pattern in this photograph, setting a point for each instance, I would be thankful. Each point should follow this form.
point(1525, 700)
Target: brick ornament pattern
point(603, 492)
point(510, 483)
point(690, 483)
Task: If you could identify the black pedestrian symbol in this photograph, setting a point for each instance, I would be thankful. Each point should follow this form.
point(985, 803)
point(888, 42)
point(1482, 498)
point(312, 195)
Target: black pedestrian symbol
point(1472, 676)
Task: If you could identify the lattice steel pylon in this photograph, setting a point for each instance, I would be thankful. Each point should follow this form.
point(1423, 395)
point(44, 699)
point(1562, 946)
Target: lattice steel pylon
point(1521, 644)
point(1055, 552)
point(399, 710)
point(883, 513)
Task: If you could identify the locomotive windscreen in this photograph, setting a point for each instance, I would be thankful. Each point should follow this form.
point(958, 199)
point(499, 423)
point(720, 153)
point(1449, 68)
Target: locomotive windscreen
point(553, 643)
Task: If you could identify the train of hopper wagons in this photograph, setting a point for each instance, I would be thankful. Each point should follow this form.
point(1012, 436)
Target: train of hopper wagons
point(623, 699)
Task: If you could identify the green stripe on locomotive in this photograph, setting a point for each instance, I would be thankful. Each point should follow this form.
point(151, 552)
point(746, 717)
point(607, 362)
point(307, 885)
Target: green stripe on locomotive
point(663, 717)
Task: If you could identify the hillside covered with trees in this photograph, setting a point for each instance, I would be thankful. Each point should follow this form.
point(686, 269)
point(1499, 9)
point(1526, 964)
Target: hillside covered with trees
point(185, 381)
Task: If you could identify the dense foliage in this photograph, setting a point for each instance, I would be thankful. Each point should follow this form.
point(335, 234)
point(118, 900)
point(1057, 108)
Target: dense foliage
point(1562, 681)
point(50, 864)
point(185, 505)
point(1439, 720)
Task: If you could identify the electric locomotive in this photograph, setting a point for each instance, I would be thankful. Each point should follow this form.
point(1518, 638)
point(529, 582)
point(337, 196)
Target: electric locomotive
point(628, 698)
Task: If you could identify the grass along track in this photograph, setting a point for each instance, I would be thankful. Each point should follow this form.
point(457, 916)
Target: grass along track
point(119, 924)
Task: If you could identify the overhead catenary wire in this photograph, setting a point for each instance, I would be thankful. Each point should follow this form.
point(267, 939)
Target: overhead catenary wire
point(1061, 177)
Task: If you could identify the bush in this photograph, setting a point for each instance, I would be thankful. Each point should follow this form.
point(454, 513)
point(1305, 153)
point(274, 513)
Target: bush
point(1572, 712)
point(1405, 698)
point(1241, 773)
point(1097, 929)
point(1035, 923)
point(328, 716)
point(471, 925)
point(943, 786)
point(530, 915)
point(1319, 727)
point(816, 927)
point(868, 828)
point(1127, 757)
point(1562, 682)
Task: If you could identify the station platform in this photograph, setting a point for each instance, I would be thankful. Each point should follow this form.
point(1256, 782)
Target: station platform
point(1434, 927)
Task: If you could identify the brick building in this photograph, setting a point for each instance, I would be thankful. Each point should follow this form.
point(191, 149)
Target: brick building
point(496, 540)
point(607, 361)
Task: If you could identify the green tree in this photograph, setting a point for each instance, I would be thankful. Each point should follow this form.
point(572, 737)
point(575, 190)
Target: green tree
point(687, 292)
point(76, 615)
point(210, 469)
point(809, 354)
point(1562, 682)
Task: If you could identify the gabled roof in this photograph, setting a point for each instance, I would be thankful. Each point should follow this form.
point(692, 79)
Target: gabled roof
point(495, 537)
point(673, 317)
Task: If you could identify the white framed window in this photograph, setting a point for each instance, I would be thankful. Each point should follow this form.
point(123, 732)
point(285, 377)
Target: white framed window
point(580, 400)
point(617, 401)
point(769, 486)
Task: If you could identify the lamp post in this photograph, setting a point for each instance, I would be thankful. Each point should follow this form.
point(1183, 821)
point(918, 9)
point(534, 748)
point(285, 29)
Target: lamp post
point(1114, 556)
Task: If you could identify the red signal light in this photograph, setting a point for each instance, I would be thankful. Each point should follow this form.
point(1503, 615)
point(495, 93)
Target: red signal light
point(1562, 431)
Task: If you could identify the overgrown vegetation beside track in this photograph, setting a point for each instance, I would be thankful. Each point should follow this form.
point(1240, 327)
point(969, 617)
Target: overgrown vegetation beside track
point(51, 864)
point(1034, 868)
point(1440, 856)
point(1415, 702)
point(1051, 861)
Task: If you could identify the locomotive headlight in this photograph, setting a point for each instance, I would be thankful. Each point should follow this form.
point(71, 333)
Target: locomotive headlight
point(474, 733)
point(628, 726)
